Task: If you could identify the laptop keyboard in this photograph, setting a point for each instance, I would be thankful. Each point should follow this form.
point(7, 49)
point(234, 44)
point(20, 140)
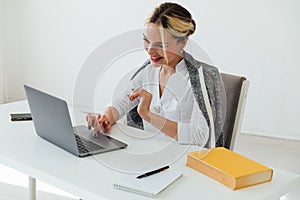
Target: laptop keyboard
point(85, 146)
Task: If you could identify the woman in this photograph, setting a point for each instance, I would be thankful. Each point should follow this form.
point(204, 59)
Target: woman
point(174, 94)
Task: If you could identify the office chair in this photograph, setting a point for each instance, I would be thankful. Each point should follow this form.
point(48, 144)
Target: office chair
point(236, 93)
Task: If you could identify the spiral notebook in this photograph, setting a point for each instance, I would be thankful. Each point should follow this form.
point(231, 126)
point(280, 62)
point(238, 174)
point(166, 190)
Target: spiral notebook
point(149, 186)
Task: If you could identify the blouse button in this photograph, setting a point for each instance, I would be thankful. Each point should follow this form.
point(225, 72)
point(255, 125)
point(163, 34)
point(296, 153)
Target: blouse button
point(156, 108)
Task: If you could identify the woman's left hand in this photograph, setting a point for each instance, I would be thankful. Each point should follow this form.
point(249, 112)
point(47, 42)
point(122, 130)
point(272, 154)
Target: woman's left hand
point(144, 105)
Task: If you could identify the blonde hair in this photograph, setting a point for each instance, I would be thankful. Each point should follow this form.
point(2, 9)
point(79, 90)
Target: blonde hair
point(175, 19)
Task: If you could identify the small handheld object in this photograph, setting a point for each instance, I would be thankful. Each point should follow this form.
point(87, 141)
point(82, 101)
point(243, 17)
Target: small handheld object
point(153, 172)
point(20, 116)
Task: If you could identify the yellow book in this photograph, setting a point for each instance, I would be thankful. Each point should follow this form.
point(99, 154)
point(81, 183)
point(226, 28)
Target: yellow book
point(229, 168)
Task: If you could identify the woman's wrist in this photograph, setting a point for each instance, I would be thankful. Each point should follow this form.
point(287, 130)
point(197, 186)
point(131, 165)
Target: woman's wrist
point(163, 124)
point(147, 117)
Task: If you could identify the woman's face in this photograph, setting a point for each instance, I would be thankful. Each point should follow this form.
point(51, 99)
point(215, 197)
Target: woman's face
point(154, 46)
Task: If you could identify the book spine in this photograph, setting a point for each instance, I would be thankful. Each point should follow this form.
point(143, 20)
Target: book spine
point(211, 171)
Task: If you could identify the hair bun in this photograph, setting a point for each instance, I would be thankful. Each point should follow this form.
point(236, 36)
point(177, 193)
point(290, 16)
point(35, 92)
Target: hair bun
point(193, 28)
point(175, 18)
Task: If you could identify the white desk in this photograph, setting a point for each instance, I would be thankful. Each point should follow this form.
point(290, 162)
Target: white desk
point(23, 150)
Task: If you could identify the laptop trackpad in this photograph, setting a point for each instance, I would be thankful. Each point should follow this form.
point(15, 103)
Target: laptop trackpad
point(103, 140)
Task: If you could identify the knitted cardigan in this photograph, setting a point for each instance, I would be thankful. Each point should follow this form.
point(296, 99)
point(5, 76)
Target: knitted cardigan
point(216, 94)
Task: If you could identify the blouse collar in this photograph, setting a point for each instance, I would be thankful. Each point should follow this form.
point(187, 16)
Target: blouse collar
point(181, 67)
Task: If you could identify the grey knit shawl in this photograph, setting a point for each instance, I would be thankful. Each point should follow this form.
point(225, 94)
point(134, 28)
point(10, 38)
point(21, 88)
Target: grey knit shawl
point(216, 94)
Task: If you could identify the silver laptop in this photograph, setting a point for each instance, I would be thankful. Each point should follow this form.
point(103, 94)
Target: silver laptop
point(52, 122)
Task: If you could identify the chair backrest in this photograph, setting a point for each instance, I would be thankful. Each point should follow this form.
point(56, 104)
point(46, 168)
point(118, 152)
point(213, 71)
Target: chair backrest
point(236, 93)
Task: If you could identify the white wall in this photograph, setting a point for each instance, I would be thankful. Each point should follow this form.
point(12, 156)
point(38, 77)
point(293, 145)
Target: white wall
point(259, 39)
point(1, 56)
point(46, 43)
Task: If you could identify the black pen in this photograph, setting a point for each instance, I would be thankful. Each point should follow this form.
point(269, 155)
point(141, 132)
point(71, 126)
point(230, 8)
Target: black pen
point(153, 172)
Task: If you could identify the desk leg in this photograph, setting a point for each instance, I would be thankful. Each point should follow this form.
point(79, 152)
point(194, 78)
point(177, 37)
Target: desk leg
point(32, 188)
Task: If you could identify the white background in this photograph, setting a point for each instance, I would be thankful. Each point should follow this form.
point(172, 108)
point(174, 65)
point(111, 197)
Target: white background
point(1, 56)
point(45, 44)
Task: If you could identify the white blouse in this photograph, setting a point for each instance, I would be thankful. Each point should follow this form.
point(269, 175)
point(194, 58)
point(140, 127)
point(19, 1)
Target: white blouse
point(177, 103)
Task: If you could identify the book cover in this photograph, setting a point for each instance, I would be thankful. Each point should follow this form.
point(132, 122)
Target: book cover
point(229, 168)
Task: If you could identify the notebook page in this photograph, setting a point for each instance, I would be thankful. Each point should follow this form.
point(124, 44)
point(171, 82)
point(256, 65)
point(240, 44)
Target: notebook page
point(148, 186)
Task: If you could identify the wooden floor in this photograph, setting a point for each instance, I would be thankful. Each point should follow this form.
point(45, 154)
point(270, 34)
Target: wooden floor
point(273, 152)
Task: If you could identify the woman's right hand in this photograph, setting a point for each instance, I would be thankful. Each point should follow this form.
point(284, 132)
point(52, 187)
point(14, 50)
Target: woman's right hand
point(99, 123)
